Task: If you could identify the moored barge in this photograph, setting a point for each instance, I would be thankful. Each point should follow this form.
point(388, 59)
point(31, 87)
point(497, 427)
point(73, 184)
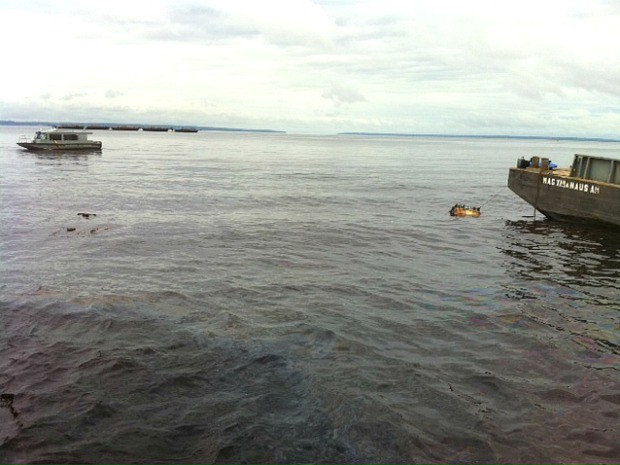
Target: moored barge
point(588, 191)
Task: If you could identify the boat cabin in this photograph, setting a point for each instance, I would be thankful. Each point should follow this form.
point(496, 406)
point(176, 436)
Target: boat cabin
point(596, 169)
point(56, 135)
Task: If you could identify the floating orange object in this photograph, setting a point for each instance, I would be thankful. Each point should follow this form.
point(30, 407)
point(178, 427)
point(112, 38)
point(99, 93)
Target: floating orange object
point(462, 210)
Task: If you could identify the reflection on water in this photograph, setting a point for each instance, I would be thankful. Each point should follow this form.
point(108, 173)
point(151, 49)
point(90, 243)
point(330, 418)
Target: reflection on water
point(60, 156)
point(569, 277)
point(568, 254)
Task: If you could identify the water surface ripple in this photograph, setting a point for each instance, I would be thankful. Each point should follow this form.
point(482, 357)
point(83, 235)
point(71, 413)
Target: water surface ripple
point(281, 298)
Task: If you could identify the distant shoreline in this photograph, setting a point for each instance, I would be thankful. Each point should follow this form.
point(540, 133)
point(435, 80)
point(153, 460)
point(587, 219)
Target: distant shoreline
point(147, 127)
point(184, 128)
point(479, 136)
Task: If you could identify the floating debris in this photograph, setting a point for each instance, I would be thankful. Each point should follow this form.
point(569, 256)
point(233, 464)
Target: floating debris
point(462, 210)
point(87, 215)
point(6, 401)
point(72, 231)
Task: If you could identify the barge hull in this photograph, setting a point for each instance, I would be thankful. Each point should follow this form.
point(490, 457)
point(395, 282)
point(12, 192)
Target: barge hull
point(566, 198)
point(59, 147)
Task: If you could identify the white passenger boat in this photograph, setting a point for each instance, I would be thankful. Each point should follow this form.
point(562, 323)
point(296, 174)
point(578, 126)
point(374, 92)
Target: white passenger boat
point(59, 139)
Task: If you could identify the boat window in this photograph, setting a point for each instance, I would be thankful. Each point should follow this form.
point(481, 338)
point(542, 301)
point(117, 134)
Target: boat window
point(41, 136)
point(56, 136)
point(70, 137)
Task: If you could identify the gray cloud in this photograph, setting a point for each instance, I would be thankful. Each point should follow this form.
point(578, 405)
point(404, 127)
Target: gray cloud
point(340, 94)
point(195, 22)
point(72, 96)
point(200, 22)
point(111, 93)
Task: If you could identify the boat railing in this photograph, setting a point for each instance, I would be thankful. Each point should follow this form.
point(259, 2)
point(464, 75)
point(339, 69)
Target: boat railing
point(596, 168)
point(25, 138)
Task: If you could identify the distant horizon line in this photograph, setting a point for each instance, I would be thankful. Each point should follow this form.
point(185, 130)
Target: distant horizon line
point(345, 133)
point(479, 136)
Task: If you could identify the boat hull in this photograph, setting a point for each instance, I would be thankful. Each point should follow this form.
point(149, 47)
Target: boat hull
point(566, 198)
point(60, 147)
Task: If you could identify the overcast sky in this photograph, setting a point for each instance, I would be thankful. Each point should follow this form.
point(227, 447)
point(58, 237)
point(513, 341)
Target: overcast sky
point(324, 66)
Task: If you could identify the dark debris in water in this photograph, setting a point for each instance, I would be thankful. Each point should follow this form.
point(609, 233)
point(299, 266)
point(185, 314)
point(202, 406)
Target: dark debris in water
point(6, 401)
point(81, 232)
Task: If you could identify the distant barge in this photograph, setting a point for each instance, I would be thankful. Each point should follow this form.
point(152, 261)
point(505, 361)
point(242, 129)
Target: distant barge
point(116, 127)
point(588, 191)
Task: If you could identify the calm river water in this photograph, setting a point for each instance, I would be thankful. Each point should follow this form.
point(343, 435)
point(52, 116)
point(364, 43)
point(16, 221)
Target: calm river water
point(280, 298)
